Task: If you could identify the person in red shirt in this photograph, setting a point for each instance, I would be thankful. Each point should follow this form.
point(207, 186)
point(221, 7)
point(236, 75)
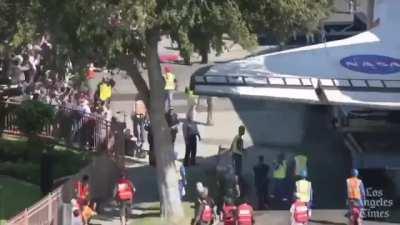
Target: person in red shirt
point(124, 194)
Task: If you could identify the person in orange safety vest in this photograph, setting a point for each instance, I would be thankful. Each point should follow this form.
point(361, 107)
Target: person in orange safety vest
point(300, 213)
point(245, 214)
point(355, 191)
point(228, 213)
point(206, 214)
point(124, 194)
point(82, 191)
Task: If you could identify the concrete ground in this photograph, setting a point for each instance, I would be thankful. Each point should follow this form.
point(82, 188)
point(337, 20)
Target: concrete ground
point(272, 127)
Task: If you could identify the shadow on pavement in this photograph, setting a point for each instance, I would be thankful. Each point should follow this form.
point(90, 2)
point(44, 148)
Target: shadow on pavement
point(293, 128)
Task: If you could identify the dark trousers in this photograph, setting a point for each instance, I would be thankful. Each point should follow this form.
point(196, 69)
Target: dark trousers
point(191, 149)
point(261, 192)
point(237, 163)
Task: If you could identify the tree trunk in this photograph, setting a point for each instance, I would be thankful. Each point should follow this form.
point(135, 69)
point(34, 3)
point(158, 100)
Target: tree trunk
point(204, 55)
point(210, 111)
point(171, 207)
point(132, 70)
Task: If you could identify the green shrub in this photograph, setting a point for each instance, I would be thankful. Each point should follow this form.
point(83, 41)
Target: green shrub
point(32, 116)
point(19, 159)
point(22, 170)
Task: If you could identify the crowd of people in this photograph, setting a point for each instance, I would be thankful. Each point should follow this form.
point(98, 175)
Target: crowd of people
point(32, 74)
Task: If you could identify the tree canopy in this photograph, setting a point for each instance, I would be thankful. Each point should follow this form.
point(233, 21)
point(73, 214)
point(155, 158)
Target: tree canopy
point(119, 33)
point(282, 17)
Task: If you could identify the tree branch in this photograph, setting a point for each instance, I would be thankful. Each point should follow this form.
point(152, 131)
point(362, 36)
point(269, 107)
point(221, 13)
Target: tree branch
point(126, 63)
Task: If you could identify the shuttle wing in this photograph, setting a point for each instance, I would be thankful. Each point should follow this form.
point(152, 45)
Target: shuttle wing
point(360, 70)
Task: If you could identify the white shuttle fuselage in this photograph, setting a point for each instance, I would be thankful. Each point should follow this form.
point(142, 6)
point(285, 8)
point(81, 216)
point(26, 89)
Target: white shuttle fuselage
point(361, 70)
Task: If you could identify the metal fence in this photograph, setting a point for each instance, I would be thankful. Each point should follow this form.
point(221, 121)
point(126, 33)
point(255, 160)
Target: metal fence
point(70, 127)
point(45, 212)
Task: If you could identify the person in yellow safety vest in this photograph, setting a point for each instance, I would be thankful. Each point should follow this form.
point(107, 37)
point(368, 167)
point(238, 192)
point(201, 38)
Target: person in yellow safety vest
point(105, 91)
point(300, 165)
point(355, 190)
point(279, 178)
point(192, 101)
point(237, 150)
point(304, 189)
point(170, 86)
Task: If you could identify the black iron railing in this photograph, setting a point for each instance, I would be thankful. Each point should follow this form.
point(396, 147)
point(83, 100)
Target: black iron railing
point(70, 127)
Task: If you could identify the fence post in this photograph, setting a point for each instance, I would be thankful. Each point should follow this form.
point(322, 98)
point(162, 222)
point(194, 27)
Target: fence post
point(49, 205)
point(26, 217)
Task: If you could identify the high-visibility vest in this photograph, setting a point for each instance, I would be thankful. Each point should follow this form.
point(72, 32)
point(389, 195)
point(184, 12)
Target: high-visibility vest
point(229, 217)
point(82, 190)
point(245, 214)
point(105, 92)
point(301, 164)
point(303, 188)
point(300, 212)
point(124, 190)
point(353, 188)
point(207, 214)
point(234, 146)
point(169, 81)
point(280, 172)
point(192, 98)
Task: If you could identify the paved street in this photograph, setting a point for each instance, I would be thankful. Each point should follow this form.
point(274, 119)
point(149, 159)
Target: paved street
point(272, 127)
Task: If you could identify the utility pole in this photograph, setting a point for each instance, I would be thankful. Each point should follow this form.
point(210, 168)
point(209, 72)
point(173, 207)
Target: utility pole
point(1, 205)
point(370, 13)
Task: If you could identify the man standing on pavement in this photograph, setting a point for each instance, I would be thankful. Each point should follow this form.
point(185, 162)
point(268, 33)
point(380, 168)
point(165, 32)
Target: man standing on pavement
point(279, 178)
point(355, 190)
point(170, 86)
point(139, 116)
point(190, 134)
point(192, 102)
point(237, 150)
point(261, 171)
point(173, 122)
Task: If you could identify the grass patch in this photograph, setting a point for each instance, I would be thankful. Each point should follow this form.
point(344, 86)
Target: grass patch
point(16, 195)
point(21, 160)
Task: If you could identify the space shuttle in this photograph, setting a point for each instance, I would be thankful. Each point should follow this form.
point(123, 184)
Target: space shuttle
point(363, 70)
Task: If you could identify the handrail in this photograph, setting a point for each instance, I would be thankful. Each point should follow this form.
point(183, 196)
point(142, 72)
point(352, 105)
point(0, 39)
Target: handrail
point(81, 128)
point(297, 82)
